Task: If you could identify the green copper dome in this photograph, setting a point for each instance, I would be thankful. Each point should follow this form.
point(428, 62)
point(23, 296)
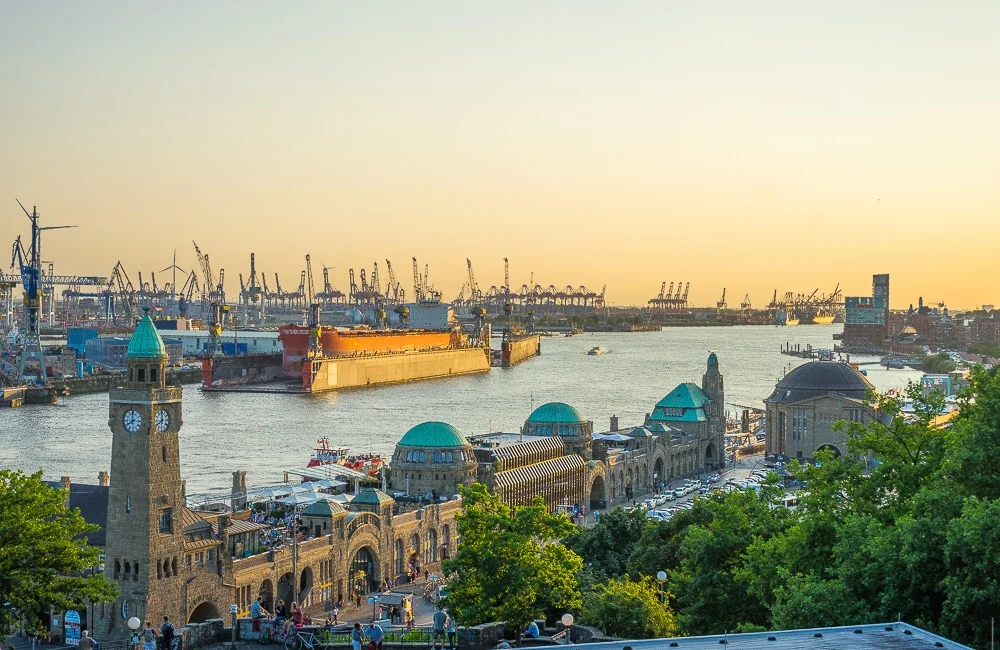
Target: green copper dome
point(713, 360)
point(433, 434)
point(146, 342)
point(555, 413)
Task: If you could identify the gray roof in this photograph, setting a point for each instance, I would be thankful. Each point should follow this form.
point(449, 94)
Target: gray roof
point(92, 500)
point(818, 378)
point(878, 636)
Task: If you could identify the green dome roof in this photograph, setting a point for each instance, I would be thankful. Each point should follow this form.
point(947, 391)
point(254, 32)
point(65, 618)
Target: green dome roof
point(146, 342)
point(370, 496)
point(433, 434)
point(556, 413)
point(323, 508)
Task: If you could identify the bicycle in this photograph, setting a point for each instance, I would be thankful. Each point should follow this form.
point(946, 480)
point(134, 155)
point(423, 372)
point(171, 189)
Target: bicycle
point(298, 640)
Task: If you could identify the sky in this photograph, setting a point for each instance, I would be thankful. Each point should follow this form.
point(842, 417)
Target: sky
point(751, 145)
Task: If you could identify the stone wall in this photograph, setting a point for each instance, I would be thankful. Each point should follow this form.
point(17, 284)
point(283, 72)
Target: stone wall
point(201, 634)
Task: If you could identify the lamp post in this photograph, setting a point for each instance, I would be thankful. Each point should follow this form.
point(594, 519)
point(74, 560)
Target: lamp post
point(133, 624)
point(567, 620)
point(661, 577)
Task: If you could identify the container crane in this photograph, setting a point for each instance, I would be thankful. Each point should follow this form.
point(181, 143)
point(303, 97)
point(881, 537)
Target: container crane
point(30, 263)
point(418, 285)
point(720, 307)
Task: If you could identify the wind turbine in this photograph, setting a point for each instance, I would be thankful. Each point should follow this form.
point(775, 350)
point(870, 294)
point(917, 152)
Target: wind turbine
point(173, 283)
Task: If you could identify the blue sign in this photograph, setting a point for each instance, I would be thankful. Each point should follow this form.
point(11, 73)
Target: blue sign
point(72, 620)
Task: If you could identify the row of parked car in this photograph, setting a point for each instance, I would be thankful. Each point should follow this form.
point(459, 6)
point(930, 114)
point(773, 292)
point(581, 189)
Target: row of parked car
point(702, 487)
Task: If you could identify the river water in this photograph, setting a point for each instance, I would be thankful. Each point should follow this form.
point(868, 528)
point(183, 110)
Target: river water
point(267, 434)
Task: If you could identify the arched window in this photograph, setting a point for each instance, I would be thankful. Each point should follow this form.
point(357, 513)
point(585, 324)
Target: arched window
point(400, 559)
point(118, 568)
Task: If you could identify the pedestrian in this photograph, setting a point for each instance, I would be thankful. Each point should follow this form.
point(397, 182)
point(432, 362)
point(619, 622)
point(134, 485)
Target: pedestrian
point(166, 633)
point(356, 637)
point(375, 634)
point(256, 614)
point(449, 629)
point(336, 613)
point(427, 574)
point(149, 637)
point(440, 620)
point(86, 643)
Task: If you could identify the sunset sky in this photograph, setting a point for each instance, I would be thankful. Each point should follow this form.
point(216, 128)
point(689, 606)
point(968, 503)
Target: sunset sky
point(748, 145)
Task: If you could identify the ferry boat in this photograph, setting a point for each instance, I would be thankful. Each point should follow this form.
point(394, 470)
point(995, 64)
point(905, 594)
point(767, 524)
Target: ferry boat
point(324, 454)
point(595, 351)
point(791, 320)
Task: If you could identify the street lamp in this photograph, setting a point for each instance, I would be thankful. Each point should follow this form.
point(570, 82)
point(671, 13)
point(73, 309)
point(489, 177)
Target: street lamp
point(567, 620)
point(133, 624)
point(661, 577)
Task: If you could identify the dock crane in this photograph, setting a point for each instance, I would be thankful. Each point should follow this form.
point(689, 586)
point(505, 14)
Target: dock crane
point(394, 288)
point(720, 306)
point(475, 297)
point(745, 306)
point(188, 291)
point(30, 263)
point(418, 288)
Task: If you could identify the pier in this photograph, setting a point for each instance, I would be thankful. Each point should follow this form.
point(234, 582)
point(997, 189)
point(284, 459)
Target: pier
point(808, 352)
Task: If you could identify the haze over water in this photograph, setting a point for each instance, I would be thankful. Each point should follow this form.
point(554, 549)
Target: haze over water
point(269, 434)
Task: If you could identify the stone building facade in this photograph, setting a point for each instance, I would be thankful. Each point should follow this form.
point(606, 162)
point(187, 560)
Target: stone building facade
point(169, 560)
point(807, 402)
point(558, 456)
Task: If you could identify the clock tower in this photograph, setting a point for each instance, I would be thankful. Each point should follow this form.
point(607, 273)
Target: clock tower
point(145, 547)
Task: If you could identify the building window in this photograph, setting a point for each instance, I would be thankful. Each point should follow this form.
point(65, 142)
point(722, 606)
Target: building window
point(142, 375)
point(199, 559)
point(799, 423)
point(421, 457)
point(437, 457)
point(164, 452)
point(166, 521)
point(855, 415)
point(152, 374)
point(128, 503)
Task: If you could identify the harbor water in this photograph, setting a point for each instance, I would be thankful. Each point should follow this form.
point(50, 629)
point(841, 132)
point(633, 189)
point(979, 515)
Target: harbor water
point(268, 434)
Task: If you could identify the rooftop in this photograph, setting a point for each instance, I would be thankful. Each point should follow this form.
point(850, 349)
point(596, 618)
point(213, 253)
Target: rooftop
point(818, 378)
point(894, 636)
point(146, 342)
point(686, 395)
point(556, 413)
point(499, 440)
point(433, 434)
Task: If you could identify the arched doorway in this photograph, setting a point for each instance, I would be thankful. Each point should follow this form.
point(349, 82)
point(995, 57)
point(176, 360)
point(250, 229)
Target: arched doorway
point(400, 558)
point(432, 543)
point(305, 586)
point(203, 612)
point(285, 590)
point(598, 494)
point(267, 595)
point(363, 573)
point(832, 449)
point(711, 456)
point(658, 475)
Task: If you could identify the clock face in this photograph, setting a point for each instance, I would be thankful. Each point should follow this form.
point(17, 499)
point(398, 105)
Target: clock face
point(162, 421)
point(132, 420)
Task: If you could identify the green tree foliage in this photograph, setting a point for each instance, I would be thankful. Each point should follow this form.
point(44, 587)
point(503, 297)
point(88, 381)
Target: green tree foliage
point(904, 524)
point(628, 609)
point(510, 566)
point(606, 546)
point(939, 363)
point(985, 349)
point(44, 557)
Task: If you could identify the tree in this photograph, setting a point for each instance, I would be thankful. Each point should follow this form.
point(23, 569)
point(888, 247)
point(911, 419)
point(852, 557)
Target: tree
point(606, 546)
point(628, 609)
point(510, 565)
point(974, 439)
point(45, 560)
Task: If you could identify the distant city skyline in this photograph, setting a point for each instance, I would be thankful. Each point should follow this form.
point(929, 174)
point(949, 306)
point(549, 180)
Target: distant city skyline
point(756, 146)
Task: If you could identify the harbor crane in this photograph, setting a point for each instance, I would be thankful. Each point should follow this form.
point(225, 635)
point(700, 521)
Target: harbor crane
point(188, 291)
point(720, 307)
point(252, 294)
point(418, 285)
point(745, 306)
point(30, 263)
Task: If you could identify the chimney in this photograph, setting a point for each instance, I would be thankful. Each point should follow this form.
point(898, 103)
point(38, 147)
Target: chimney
point(614, 423)
point(103, 479)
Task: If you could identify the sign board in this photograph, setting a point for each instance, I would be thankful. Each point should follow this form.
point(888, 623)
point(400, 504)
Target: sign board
point(72, 620)
point(233, 609)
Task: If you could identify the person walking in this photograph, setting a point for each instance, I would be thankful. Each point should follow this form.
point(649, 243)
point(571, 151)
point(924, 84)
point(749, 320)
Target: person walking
point(356, 637)
point(149, 637)
point(256, 614)
point(166, 633)
point(449, 629)
point(86, 643)
point(440, 620)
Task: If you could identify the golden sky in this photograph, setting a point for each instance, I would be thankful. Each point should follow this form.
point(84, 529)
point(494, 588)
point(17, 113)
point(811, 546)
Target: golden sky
point(755, 146)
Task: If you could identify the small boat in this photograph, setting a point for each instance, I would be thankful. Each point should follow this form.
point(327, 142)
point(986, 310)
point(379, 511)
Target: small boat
point(324, 454)
point(595, 351)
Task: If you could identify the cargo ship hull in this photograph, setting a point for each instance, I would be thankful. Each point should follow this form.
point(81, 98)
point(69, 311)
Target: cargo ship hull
point(358, 342)
point(335, 373)
point(514, 351)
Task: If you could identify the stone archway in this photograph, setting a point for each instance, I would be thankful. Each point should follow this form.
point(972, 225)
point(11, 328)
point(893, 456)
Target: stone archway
point(305, 587)
point(711, 456)
point(658, 475)
point(598, 494)
point(203, 612)
point(362, 572)
point(831, 448)
point(285, 589)
point(267, 595)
